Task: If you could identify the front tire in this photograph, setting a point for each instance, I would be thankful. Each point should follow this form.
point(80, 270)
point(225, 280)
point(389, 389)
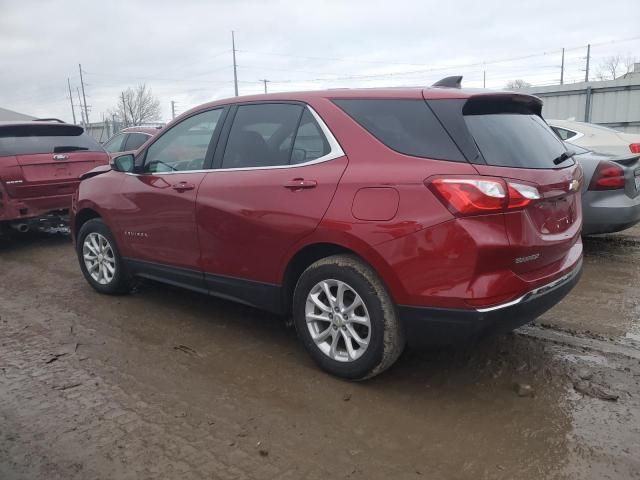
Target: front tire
point(100, 259)
point(346, 319)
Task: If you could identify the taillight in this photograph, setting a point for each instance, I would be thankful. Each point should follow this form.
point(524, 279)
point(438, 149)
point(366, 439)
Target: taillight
point(608, 176)
point(634, 147)
point(480, 195)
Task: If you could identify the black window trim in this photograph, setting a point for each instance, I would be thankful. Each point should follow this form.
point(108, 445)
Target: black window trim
point(335, 150)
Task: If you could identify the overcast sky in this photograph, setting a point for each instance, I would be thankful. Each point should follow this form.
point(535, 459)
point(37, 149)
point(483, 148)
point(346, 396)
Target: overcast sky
point(182, 49)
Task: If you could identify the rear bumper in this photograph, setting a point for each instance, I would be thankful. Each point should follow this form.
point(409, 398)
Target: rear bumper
point(441, 326)
point(12, 209)
point(609, 211)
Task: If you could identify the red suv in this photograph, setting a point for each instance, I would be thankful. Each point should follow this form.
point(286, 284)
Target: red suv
point(40, 167)
point(373, 217)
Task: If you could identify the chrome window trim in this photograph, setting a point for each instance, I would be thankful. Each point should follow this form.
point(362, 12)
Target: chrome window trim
point(335, 151)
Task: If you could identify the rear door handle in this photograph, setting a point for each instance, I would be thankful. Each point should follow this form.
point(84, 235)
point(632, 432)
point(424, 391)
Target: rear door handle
point(183, 186)
point(300, 184)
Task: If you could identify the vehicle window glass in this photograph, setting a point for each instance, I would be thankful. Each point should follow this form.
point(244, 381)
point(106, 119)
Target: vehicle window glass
point(115, 144)
point(516, 140)
point(135, 141)
point(406, 126)
point(563, 133)
point(310, 143)
point(261, 135)
point(184, 146)
point(38, 138)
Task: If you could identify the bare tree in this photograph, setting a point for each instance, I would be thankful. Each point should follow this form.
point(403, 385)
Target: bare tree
point(137, 106)
point(629, 61)
point(609, 68)
point(517, 84)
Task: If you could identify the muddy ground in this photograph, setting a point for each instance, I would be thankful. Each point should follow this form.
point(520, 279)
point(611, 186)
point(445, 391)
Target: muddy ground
point(171, 384)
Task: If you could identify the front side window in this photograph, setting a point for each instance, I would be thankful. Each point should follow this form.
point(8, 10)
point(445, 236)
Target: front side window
point(183, 147)
point(115, 144)
point(135, 141)
point(262, 135)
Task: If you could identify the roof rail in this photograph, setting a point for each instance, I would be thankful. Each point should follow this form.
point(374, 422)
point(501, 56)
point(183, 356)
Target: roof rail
point(449, 82)
point(48, 120)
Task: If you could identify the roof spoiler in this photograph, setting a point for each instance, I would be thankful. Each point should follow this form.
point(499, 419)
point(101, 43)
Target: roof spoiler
point(47, 120)
point(449, 82)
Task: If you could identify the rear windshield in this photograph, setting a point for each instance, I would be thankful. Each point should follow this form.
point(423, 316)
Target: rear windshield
point(516, 140)
point(406, 126)
point(32, 139)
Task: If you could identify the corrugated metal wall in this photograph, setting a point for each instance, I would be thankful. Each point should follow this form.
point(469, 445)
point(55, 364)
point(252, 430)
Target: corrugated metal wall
point(614, 103)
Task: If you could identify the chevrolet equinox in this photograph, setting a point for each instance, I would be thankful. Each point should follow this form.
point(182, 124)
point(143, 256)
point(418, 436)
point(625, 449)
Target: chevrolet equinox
point(372, 217)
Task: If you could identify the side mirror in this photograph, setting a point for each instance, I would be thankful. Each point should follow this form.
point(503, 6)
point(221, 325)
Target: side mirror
point(123, 163)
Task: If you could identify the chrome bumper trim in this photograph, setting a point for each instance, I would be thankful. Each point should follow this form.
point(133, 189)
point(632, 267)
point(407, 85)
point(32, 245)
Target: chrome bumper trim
point(536, 291)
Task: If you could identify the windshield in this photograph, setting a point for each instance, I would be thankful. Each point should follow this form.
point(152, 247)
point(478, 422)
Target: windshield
point(516, 140)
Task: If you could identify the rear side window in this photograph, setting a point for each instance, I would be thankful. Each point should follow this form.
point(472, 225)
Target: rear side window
point(406, 126)
point(262, 135)
point(135, 141)
point(115, 144)
point(563, 133)
point(516, 140)
point(38, 138)
point(310, 143)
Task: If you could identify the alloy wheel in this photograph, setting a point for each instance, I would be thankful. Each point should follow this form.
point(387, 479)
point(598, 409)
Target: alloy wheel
point(338, 320)
point(99, 258)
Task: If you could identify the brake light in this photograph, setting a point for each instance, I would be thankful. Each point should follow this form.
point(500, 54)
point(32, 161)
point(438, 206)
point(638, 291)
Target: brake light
point(608, 176)
point(481, 195)
point(634, 147)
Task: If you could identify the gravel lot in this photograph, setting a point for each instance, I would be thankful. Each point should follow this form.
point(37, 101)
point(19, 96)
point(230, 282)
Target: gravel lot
point(170, 384)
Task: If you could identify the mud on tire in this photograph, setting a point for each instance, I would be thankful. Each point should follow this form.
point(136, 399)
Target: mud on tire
point(120, 283)
point(386, 340)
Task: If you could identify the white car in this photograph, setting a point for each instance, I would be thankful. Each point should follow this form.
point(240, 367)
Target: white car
point(596, 137)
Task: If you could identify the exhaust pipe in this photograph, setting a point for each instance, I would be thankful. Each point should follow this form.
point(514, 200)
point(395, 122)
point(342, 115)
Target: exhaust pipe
point(21, 227)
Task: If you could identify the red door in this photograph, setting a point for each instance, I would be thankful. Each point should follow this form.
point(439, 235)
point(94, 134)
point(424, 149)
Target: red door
point(278, 173)
point(157, 223)
point(248, 219)
point(156, 208)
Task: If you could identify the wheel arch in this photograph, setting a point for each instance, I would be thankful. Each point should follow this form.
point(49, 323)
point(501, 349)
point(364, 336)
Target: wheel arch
point(312, 252)
point(82, 217)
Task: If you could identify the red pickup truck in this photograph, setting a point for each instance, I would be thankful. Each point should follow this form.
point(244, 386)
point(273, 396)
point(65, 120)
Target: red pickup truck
point(40, 167)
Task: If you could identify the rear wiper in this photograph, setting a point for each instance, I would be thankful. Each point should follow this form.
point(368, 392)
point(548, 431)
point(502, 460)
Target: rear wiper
point(69, 148)
point(564, 156)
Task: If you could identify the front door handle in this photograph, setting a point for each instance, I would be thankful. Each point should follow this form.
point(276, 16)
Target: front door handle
point(183, 186)
point(300, 183)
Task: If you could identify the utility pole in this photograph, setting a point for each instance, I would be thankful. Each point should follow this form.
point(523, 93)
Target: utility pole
point(173, 109)
point(265, 81)
point(562, 69)
point(82, 120)
point(73, 111)
point(86, 113)
point(235, 67)
point(586, 74)
point(484, 79)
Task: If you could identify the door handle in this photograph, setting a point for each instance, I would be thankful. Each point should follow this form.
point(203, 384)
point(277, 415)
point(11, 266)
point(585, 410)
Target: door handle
point(300, 184)
point(183, 186)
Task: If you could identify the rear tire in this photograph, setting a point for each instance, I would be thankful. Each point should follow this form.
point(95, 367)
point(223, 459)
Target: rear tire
point(100, 259)
point(346, 319)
